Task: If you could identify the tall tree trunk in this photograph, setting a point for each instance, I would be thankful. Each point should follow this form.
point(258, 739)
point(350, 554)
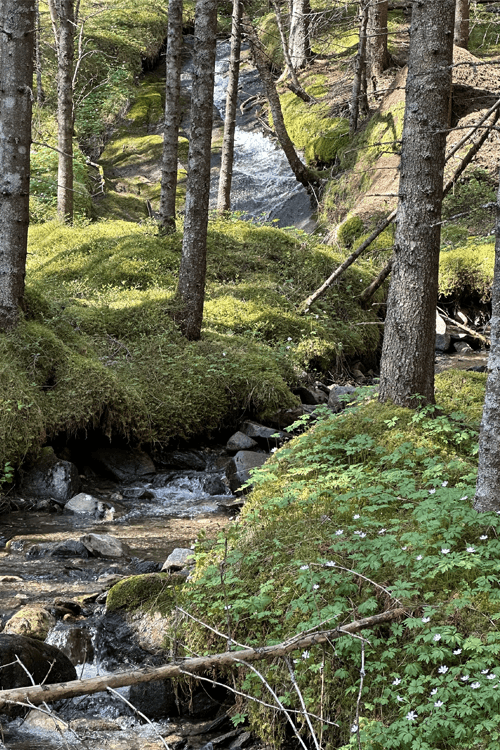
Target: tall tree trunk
point(227, 155)
point(407, 367)
point(462, 25)
point(299, 45)
point(488, 479)
point(303, 174)
point(40, 93)
point(377, 55)
point(358, 99)
point(63, 21)
point(191, 288)
point(172, 117)
point(17, 24)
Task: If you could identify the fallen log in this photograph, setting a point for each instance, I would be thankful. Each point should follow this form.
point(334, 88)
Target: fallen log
point(37, 694)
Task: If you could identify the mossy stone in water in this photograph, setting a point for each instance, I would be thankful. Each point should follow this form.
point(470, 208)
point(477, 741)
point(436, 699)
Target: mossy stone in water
point(150, 592)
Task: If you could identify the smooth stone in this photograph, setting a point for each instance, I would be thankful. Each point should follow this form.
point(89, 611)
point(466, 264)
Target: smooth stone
point(105, 545)
point(51, 478)
point(178, 559)
point(124, 465)
point(238, 471)
point(240, 442)
point(267, 436)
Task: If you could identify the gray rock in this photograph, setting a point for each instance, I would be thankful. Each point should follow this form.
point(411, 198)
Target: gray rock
point(334, 403)
point(83, 503)
point(124, 465)
point(267, 437)
point(240, 442)
point(178, 559)
point(238, 470)
point(156, 700)
point(105, 545)
point(183, 460)
point(462, 347)
point(75, 641)
point(286, 417)
point(69, 548)
point(213, 485)
point(51, 478)
point(137, 493)
point(443, 341)
point(311, 396)
point(342, 394)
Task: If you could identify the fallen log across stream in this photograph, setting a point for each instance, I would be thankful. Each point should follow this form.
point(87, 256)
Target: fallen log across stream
point(37, 694)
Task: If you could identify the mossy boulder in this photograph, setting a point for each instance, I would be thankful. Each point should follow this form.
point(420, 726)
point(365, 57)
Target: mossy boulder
point(151, 592)
point(33, 620)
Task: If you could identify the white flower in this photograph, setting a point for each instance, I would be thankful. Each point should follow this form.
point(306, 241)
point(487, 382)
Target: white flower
point(411, 715)
point(491, 676)
point(382, 531)
point(442, 669)
point(287, 347)
point(227, 606)
point(223, 354)
point(444, 484)
point(445, 550)
point(305, 654)
point(436, 637)
point(289, 338)
point(434, 691)
point(362, 535)
point(457, 651)
point(463, 498)
point(483, 537)
point(273, 450)
point(485, 671)
point(426, 619)
point(399, 699)
point(404, 549)
point(397, 681)
point(465, 677)
point(339, 532)
point(438, 704)
point(431, 492)
point(330, 564)
point(419, 557)
point(354, 728)
point(475, 685)
point(356, 516)
point(471, 549)
point(316, 586)
point(304, 567)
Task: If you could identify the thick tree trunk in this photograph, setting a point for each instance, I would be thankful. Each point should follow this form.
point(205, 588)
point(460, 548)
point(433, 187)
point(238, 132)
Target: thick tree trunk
point(299, 45)
point(488, 479)
point(303, 174)
point(63, 20)
point(358, 99)
point(17, 25)
point(191, 289)
point(377, 55)
point(227, 155)
point(407, 368)
point(462, 25)
point(172, 117)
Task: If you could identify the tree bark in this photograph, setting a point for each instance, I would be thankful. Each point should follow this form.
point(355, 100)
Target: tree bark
point(462, 24)
point(358, 99)
point(17, 25)
point(303, 174)
point(191, 288)
point(40, 93)
point(227, 155)
point(299, 45)
point(172, 117)
point(377, 55)
point(63, 21)
point(407, 367)
point(47, 693)
point(487, 496)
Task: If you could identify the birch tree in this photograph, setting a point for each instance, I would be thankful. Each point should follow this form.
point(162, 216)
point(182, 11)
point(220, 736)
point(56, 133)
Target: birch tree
point(17, 27)
point(407, 367)
point(299, 45)
point(191, 287)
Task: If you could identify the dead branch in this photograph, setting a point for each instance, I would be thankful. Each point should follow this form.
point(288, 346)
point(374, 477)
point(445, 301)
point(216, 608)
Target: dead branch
point(59, 691)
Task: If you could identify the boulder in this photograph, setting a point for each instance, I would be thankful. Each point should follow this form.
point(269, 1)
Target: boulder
point(286, 417)
point(443, 338)
point(33, 620)
point(267, 437)
point(75, 641)
point(238, 470)
point(67, 548)
point(341, 394)
point(240, 442)
point(124, 465)
point(462, 347)
point(178, 559)
point(90, 505)
point(183, 460)
point(156, 700)
point(214, 485)
point(105, 545)
point(311, 396)
point(137, 493)
point(51, 478)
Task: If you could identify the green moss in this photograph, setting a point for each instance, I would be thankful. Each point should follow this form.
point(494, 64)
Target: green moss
point(152, 592)
point(466, 272)
point(311, 129)
point(463, 392)
point(349, 231)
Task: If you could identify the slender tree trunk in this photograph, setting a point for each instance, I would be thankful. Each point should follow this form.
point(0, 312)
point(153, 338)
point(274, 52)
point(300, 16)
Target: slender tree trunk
point(191, 288)
point(377, 55)
point(303, 174)
point(17, 25)
point(172, 117)
point(462, 25)
point(407, 367)
point(40, 93)
point(63, 21)
point(358, 98)
point(488, 479)
point(299, 44)
point(227, 155)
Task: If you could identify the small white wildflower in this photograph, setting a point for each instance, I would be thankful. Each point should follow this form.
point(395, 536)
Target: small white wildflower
point(305, 654)
point(444, 484)
point(438, 704)
point(289, 338)
point(483, 537)
point(445, 550)
point(304, 567)
point(399, 699)
point(426, 619)
point(330, 564)
point(411, 715)
point(463, 498)
point(227, 606)
point(339, 532)
point(288, 347)
point(436, 637)
point(404, 549)
point(223, 354)
point(442, 669)
point(354, 728)
point(356, 516)
point(397, 681)
point(457, 651)
point(431, 492)
point(362, 535)
point(485, 671)
point(316, 586)
point(296, 661)
point(317, 317)
point(419, 557)
point(491, 676)
point(434, 691)
point(273, 450)
point(465, 677)
point(475, 685)
point(382, 531)
point(471, 549)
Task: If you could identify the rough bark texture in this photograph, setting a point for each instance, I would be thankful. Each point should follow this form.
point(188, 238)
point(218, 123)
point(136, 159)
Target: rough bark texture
point(172, 117)
point(358, 99)
point(191, 289)
point(17, 24)
point(299, 44)
point(488, 479)
point(302, 173)
point(40, 94)
point(376, 39)
point(462, 25)
point(63, 21)
point(407, 367)
point(226, 164)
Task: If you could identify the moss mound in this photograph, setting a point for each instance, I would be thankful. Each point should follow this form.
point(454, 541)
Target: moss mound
point(151, 592)
point(466, 271)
